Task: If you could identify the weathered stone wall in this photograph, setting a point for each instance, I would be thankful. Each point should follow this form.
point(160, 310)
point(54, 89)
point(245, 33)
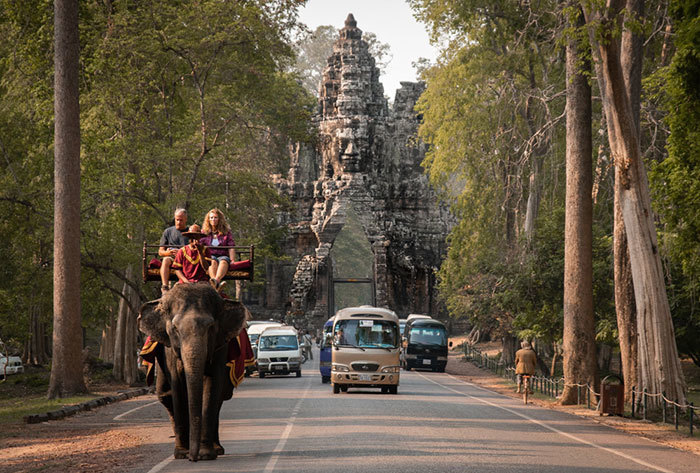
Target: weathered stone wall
point(368, 159)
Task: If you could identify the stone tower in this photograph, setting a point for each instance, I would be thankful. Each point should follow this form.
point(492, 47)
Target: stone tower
point(367, 162)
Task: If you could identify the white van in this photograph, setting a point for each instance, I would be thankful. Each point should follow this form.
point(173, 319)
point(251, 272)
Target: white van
point(279, 351)
point(10, 365)
point(255, 328)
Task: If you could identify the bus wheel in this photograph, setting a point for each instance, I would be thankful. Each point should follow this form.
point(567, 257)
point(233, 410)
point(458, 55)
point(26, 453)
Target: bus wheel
point(393, 389)
point(385, 390)
point(299, 374)
point(336, 388)
point(262, 374)
point(325, 379)
point(344, 388)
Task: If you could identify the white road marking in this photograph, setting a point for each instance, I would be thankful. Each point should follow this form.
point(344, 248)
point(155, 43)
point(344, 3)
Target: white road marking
point(542, 424)
point(285, 435)
point(161, 465)
point(119, 417)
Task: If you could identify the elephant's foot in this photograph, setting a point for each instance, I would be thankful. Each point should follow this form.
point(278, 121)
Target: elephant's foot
point(218, 448)
point(207, 453)
point(180, 453)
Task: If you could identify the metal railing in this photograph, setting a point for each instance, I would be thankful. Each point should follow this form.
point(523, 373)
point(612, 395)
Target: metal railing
point(553, 387)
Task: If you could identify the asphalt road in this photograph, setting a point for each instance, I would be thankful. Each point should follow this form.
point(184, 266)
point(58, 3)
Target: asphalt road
point(436, 423)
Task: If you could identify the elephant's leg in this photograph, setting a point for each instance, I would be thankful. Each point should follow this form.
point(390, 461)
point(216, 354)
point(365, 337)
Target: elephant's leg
point(210, 417)
point(226, 394)
point(217, 387)
point(181, 420)
point(165, 396)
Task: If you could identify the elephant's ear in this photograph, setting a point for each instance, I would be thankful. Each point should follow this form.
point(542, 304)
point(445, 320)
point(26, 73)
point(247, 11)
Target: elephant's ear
point(151, 321)
point(233, 317)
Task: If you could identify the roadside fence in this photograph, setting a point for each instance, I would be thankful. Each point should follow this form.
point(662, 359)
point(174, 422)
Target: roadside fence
point(670, 411)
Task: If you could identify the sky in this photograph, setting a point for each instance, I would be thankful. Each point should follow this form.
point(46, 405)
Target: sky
point(393, 23)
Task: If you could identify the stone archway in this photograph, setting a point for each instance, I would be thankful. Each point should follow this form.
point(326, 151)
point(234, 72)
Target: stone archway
point(368, 164)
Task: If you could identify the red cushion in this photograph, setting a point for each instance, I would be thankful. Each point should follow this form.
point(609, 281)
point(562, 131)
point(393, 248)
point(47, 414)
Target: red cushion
point(239, 265)
point(154, 263)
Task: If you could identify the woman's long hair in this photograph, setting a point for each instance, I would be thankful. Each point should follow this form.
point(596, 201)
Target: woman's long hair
point(223, 227)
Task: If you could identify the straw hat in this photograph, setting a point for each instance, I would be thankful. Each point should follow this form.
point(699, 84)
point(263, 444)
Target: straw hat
point(193, 232)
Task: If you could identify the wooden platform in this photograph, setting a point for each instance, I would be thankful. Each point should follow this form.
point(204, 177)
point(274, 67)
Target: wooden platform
point(242, 268)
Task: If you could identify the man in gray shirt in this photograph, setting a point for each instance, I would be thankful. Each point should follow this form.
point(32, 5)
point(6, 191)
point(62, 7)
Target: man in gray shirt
point(170, 242)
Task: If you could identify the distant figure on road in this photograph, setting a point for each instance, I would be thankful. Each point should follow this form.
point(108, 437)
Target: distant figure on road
point(306, 343)
point(525, 362)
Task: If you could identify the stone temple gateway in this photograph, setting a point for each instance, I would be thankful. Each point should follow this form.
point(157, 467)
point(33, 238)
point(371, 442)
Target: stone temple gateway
point(366, 168)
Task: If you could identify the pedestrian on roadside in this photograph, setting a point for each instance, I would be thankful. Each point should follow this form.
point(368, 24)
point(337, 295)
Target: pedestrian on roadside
point(306, 339)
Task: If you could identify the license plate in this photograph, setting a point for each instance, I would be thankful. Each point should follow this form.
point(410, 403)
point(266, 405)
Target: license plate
point(426, 361)
point(365, 377)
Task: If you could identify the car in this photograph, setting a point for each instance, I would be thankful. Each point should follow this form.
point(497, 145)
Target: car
point(255, 328)
point(279, 351)
point(10, 365)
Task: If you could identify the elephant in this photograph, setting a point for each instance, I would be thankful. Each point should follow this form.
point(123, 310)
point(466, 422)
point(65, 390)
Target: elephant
point(193, 324)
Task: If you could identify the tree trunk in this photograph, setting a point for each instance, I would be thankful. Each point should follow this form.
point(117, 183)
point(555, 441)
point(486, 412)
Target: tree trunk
point(35, 349)
point(580, 365)
point(125, 334)
point(67, 364)
point(510, 346)
point(660, 369)
point(107, 341)
point(632, 48)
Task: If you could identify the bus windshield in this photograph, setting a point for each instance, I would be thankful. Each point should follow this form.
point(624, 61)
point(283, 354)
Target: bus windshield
point(428, 336)
point(367, 333)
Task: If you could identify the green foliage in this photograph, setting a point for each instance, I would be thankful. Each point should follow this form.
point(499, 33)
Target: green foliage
point(675, 182)
point(182, 104)
point(489, 113)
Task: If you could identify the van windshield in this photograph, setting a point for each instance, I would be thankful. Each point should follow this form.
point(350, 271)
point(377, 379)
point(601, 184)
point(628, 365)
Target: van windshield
point(428, 336)
point(367, 333)
point(278, 342)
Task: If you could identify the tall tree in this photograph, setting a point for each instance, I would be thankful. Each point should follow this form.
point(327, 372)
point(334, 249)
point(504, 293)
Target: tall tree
point(67, 366)
point(631, 58)
point(659, 364)
point(580, 365)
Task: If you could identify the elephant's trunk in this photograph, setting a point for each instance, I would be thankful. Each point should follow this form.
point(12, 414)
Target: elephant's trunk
point(193, 363)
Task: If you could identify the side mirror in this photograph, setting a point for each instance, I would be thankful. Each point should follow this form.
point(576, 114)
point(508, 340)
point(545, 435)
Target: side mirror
point(450, 345)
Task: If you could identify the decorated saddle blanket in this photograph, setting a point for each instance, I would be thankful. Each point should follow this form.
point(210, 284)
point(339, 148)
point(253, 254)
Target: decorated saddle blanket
point(240, 355)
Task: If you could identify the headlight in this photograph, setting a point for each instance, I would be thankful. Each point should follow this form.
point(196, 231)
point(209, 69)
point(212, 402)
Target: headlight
point(410, 357)
point(294, 359)
point(391, 369)
point(336, 367)
point(263, 360)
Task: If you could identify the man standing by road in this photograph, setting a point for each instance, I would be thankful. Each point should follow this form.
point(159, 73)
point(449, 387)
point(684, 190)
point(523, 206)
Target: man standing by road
point(170, 243)
point(307, 342)
point(525, 362)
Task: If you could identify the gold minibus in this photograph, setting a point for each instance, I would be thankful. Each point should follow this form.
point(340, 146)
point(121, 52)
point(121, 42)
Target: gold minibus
point(366, 347)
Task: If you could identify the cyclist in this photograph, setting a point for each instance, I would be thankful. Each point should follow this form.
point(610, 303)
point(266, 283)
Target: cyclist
point(525, 362)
